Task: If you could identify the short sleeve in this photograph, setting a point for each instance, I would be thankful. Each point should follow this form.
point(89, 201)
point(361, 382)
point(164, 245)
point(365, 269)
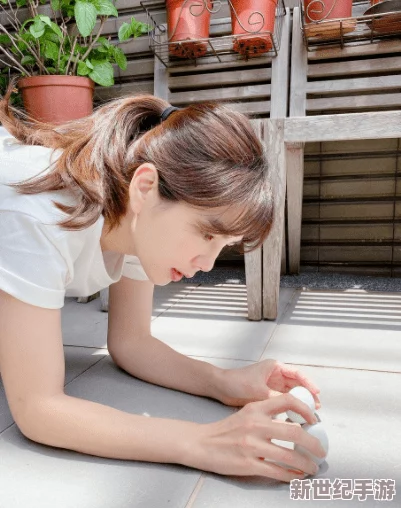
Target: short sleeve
point(32, 268)
point(133, 269)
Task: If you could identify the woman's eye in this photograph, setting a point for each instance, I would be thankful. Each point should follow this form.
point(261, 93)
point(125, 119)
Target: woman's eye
point(208, 237)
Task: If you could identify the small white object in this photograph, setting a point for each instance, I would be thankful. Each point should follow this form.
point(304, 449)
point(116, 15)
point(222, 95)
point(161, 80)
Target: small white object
point(304, 396)
point(317, 431)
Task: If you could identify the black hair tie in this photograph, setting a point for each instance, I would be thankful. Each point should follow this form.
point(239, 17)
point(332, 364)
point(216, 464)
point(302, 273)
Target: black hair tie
point(167, 112)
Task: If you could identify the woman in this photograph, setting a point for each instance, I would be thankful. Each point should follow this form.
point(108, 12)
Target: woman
point(135, 195)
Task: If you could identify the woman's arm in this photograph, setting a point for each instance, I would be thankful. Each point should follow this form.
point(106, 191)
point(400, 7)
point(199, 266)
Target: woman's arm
point(32, 369)
point(135, 350)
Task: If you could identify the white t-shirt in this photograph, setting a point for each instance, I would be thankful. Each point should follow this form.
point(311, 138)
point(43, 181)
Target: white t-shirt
point(41, 263)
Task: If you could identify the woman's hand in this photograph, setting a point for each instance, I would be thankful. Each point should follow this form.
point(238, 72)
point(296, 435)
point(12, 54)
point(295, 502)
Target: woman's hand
point(239, 444)
point(261, 381)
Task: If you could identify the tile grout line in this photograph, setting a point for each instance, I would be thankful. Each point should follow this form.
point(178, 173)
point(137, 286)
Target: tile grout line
point(70, 381)
point(196, 490)
point(279, 319)
point(175, 303)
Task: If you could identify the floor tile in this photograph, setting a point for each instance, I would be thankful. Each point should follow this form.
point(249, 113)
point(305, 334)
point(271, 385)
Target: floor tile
point(212, 322)
point(52, 476)
point(84, 324)
point(344, 329)
point(361, 414)
point(77, 361)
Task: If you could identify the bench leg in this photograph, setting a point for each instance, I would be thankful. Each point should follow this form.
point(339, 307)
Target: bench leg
point(271, 259)
point(295, 182)
point(253, 275)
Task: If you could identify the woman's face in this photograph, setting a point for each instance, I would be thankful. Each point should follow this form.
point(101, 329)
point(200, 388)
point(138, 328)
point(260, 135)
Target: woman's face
point(167, 237)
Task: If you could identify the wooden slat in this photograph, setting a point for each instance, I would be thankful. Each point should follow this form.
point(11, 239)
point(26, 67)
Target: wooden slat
point(372, 101)
point(347, 232)
point(231, 93)
point(280, 71)
point(125, 89)
point(251, 108)
point(227, 78)
point(344, 127)
point(374, 49)
point(227, 61)
point(349, 211)
point(299, 64)
point(326, 70)
point(295, 176)
point(377, 83)
point(349, 188)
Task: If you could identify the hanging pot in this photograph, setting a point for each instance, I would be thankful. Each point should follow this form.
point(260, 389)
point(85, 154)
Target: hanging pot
point(317, 11)
point(387, 18)
point(251, 19)
point(188, 20)
point(57, 99)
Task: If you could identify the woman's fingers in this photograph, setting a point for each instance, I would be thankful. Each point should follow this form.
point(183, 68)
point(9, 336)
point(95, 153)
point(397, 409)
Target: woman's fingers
point(293, 432)
point(272, 470)
point(286, 402)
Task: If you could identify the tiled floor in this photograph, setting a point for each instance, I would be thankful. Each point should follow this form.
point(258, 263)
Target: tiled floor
point(347, 342)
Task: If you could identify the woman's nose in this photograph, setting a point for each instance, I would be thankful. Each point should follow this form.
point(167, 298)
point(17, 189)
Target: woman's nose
point(205, 263)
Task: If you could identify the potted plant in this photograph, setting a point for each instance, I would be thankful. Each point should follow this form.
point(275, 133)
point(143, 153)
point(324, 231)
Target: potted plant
point(61, 57)
point(317, 12)
point(251, 19)
point(188, 20)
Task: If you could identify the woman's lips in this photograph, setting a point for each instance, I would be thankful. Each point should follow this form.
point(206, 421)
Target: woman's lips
point(176, 275)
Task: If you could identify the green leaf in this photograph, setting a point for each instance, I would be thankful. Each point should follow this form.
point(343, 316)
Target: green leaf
point(37, 29)
point(55, 4)
point(21, 3)
point(89, 64)
point(28, 60)
point(4, 39)
point(124, 32)
point(102, 73)
point(46, 20)
point(120, 58)
point(83, 69)
point(105, 8)
point(85, 15)
point(137, 27)
point(51, 50)
point(56, 29)
point(4, 2)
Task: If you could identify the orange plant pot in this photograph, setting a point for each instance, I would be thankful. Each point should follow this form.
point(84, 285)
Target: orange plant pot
point(322, 10)
point(57, 99)
point(250, 18)
point(188, 20)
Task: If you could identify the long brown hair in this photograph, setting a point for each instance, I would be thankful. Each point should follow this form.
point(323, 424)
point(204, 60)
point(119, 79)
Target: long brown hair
point(207, 155)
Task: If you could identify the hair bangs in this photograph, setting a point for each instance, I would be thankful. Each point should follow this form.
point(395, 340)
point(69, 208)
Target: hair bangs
point(253, 222)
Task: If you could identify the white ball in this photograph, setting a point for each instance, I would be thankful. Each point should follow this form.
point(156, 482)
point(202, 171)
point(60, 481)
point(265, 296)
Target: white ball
point(317, 431)
point(304, 396)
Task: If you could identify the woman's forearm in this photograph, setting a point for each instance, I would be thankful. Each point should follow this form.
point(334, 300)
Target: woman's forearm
point(155, 362)
point(91, 428)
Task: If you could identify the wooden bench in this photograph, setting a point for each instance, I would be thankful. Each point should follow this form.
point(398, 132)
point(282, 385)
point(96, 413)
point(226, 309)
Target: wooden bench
point(258, 88)
point(336, 94)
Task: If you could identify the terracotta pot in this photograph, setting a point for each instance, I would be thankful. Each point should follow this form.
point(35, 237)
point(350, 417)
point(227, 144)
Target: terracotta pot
point(250, 19)
point(188, 20)
point(57, 99)
point(374, 2)
point(321, 10)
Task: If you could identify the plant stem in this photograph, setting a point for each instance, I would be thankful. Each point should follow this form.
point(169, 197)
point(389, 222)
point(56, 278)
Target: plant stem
point(90, 47)
point(7, 64)
point(4, 29)
point(15, 62)
point(71, 54)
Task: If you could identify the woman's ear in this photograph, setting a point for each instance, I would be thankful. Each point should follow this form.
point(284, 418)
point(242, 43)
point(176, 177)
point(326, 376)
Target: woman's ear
point(143, 184)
